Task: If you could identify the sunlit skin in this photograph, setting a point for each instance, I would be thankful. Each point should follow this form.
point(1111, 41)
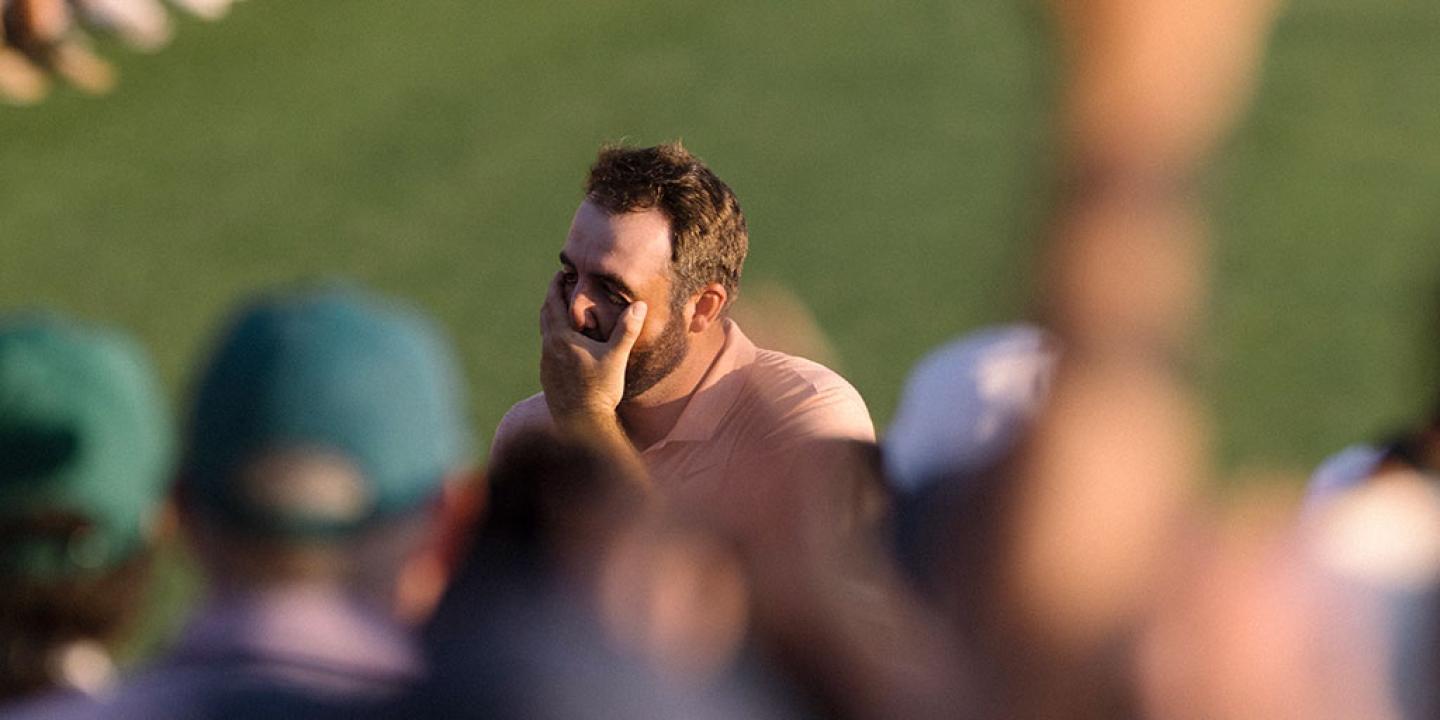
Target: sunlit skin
point(610, 262)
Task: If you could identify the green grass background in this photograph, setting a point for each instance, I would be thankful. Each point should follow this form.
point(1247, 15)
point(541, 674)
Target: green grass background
point(892, 160)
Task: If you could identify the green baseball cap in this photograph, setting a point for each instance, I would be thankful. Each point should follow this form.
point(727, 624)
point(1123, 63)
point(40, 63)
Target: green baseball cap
point(85, 447)
point(322, 411)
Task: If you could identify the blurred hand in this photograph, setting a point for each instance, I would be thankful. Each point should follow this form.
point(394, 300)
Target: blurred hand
point(45, 33)
point(1158, 81)
point(205, 9)
point(582, 377)
point(141, 24)
point(34, 26)
point(45, 39)
point(21, 81)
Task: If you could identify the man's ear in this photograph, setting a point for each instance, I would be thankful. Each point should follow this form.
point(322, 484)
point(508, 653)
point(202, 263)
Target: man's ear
point(462, 503)
point(709, 307)
point(457, 513)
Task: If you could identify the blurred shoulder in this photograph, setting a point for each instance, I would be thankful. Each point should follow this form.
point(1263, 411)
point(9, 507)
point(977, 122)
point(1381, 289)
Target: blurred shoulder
point(59, 705)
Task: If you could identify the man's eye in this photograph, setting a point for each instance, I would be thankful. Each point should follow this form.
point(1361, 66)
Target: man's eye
point(616, 300)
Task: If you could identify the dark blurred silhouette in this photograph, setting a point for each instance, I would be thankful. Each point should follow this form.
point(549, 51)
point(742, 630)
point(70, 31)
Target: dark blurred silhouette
point(326, 443)
point(550, 613)
point(85, 457)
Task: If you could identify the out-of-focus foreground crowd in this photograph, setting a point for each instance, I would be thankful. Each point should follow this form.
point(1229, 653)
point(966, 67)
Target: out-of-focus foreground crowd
point(1034, 536)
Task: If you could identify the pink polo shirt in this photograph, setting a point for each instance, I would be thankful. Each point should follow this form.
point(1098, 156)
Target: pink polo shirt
point(752, 404)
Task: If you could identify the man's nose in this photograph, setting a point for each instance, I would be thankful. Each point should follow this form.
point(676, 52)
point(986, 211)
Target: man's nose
point(582, 312)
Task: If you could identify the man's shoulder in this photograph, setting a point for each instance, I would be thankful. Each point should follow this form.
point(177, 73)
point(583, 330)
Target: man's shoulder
point(787, 379)
point(809, 397)
point(773, 368)
point(530, 411)
point(530, 414)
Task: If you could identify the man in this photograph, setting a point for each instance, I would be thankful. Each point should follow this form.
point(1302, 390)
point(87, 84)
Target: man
point(325, 436)
point(85, 452)
point(638, 351)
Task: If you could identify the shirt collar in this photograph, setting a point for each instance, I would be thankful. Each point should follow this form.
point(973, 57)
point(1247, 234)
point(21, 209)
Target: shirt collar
point(716, 393)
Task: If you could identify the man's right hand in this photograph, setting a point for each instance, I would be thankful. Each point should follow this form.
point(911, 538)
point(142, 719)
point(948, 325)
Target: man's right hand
point(583, 378)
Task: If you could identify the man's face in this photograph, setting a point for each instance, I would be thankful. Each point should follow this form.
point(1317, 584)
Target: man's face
point(610, 261)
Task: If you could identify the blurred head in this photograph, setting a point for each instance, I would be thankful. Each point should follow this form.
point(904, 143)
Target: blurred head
point(966, 404)
point(85, 453)
point(574, 522)
point(324, 429)
point(557, 500)
point(964, 410)
point(656, 226)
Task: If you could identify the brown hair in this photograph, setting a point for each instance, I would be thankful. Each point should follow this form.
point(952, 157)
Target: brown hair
point(708, 238)
point(38, 617)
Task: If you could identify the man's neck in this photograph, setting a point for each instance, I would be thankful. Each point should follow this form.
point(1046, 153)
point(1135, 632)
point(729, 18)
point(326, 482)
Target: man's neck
point(647, 419)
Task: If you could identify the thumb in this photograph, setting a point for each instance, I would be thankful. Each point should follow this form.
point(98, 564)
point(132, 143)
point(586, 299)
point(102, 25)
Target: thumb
point(628, 329)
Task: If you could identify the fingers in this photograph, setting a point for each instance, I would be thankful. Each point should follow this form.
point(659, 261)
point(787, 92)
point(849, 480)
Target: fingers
point(205, 9)
point(44, 40)
point(141, 24)
point(21, 81)
point(628, 328)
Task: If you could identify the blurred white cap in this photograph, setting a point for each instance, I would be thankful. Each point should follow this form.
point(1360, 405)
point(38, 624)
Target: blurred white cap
point(966, 403)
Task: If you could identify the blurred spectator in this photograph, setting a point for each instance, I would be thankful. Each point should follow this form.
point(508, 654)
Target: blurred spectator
point(326, 444)
point(85, 461)
point(832, 613)
point(549, 615)
point(1256, 623)
point(1373, 513)
point(965, 408)
point(966, 404)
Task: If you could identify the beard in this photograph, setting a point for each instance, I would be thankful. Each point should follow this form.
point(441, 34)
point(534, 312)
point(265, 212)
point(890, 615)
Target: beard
point(651, 364)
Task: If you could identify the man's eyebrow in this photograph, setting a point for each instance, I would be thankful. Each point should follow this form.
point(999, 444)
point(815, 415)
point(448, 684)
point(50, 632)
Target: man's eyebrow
point(613, 280)
point(617, 283)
